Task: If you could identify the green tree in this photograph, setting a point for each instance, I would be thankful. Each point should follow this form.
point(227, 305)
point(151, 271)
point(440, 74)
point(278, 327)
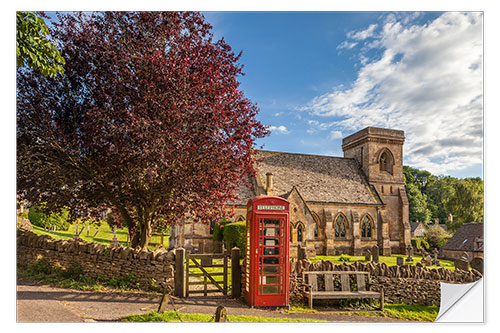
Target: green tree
point(33, 47)
point(418, 204)
point(466, 205)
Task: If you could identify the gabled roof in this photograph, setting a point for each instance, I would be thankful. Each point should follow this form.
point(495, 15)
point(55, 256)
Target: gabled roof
point(415, 225)
point(317, 178)
point(465, 237)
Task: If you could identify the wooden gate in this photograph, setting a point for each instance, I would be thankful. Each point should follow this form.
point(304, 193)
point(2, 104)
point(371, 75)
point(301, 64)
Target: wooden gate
point(201, 270)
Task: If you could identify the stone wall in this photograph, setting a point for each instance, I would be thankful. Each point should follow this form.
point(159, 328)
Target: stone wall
point(152, 269)
point(402, 284)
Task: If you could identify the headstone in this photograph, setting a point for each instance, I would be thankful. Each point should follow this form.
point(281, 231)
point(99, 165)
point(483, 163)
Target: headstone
point(478, 264)
point(375, 254)
point(400, 261)
point(461, 264)
point(76, 231)
point(465, 257)
point(428, 260)
point(368, 255)
point(88, 229)
point(114, 241)
point(410, 253)
point(436, 261)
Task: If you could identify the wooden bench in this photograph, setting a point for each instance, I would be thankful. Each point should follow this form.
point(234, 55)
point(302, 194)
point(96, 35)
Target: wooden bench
point(311, 291)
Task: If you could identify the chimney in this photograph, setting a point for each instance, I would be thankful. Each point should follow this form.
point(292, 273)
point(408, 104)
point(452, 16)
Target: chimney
point(269, 183)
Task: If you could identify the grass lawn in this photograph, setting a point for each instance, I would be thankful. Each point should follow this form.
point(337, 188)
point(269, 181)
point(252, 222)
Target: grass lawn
point(104, 236)
point(389, 260)
point(404, 311)
point(170, 316)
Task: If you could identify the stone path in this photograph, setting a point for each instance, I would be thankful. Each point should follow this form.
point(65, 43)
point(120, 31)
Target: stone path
point(42, 303)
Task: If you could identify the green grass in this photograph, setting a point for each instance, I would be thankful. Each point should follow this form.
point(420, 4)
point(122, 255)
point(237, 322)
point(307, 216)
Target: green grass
point(404, 311)
point(104, 236)
point(170, 316)
point(389, 260)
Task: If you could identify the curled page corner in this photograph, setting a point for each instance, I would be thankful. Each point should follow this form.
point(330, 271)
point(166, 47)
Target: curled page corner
point(461, 303)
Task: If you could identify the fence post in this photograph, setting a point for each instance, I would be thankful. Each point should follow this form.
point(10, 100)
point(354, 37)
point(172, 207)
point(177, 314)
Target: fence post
point(235, 273)
point(180, 255)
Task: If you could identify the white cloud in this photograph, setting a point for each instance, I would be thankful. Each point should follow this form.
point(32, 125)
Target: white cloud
point(277, 114)
point(335, 135)
point(362, 35)
point(427, 82)
point(279, 129)
point(347, 45)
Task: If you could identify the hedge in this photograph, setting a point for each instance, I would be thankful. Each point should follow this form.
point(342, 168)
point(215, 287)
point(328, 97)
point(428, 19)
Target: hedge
point(38, 218)
point(235, 234)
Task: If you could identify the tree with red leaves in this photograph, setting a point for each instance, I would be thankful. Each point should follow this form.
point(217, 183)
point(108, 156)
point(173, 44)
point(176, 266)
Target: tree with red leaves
point(147, 120)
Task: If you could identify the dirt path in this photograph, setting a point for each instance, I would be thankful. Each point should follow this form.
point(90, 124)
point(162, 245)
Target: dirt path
point(42, 303)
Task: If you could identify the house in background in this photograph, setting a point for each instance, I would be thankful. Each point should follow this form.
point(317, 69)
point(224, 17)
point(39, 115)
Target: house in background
point(418, 229)
point(469, 239)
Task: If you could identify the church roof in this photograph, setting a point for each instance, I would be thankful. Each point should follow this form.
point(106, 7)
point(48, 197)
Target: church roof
point(465, 237)
point(317, 178)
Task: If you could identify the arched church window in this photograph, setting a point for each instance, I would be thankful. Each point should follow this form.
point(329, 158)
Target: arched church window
point(366, 227)
point(316, 230)
point(340, 227)
point(299, 233)
point(240, 219)
point(386, 161)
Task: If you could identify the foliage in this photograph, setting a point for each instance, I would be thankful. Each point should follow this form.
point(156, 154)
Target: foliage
point(431, 197)
point(344, 258)
point(218, 234)
point(38, 216)
point(418, 243)
point(436, 237)
point(171, 316)
point(147, 120)
point(33, 47)
point(235, 234)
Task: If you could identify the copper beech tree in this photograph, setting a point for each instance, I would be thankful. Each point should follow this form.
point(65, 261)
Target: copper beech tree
point(147, 120)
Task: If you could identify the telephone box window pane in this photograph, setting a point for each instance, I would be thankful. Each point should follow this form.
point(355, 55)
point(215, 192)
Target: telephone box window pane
point(270, 289)
point(271, 269)
point(271, 241)
point(269, 232)
point(271, 222)
point(271, 251)
point(271, 260)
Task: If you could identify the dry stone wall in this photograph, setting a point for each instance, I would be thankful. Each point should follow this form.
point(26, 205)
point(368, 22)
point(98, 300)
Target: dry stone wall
point(152, 269)
point(401, 284)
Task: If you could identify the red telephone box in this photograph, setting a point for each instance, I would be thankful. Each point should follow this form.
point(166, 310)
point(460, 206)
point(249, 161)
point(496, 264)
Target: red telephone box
point(266, 255)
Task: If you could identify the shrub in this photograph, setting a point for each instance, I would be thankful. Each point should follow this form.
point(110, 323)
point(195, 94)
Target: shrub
point(344, 258)
point(436, 236)
point(418, 243)
point(218, 234)
point(235, 234)
point(38, 217)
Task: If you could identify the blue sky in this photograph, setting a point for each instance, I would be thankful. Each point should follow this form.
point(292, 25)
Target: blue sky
point(320, 76)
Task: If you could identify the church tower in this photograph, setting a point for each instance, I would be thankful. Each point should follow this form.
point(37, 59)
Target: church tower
point(379, 153)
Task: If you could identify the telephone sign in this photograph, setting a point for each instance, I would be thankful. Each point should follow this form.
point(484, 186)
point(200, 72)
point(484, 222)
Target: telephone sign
point(266, 255)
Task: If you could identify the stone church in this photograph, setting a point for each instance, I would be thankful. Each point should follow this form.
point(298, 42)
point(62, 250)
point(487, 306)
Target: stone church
point(337, 204)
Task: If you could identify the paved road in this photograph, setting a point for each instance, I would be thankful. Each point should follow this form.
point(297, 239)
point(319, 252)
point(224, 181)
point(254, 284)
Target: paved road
point(42, 303)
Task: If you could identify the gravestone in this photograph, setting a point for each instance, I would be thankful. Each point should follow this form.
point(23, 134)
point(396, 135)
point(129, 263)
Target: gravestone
point(301, 253)
point(114, 241)
point(461, 264)
point(465, 257)
point(368, 255)
point(428, 260)
point(410, 253)
point(478, 264)
point(400, 261)
point(375, 255)
point(88, 229)
point(436, 261)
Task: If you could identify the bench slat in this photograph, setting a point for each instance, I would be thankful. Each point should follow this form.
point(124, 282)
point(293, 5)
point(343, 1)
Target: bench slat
point(349, 294)
point(329, 282)
point(344, 281)
point(313, 281)
point(360, 279)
